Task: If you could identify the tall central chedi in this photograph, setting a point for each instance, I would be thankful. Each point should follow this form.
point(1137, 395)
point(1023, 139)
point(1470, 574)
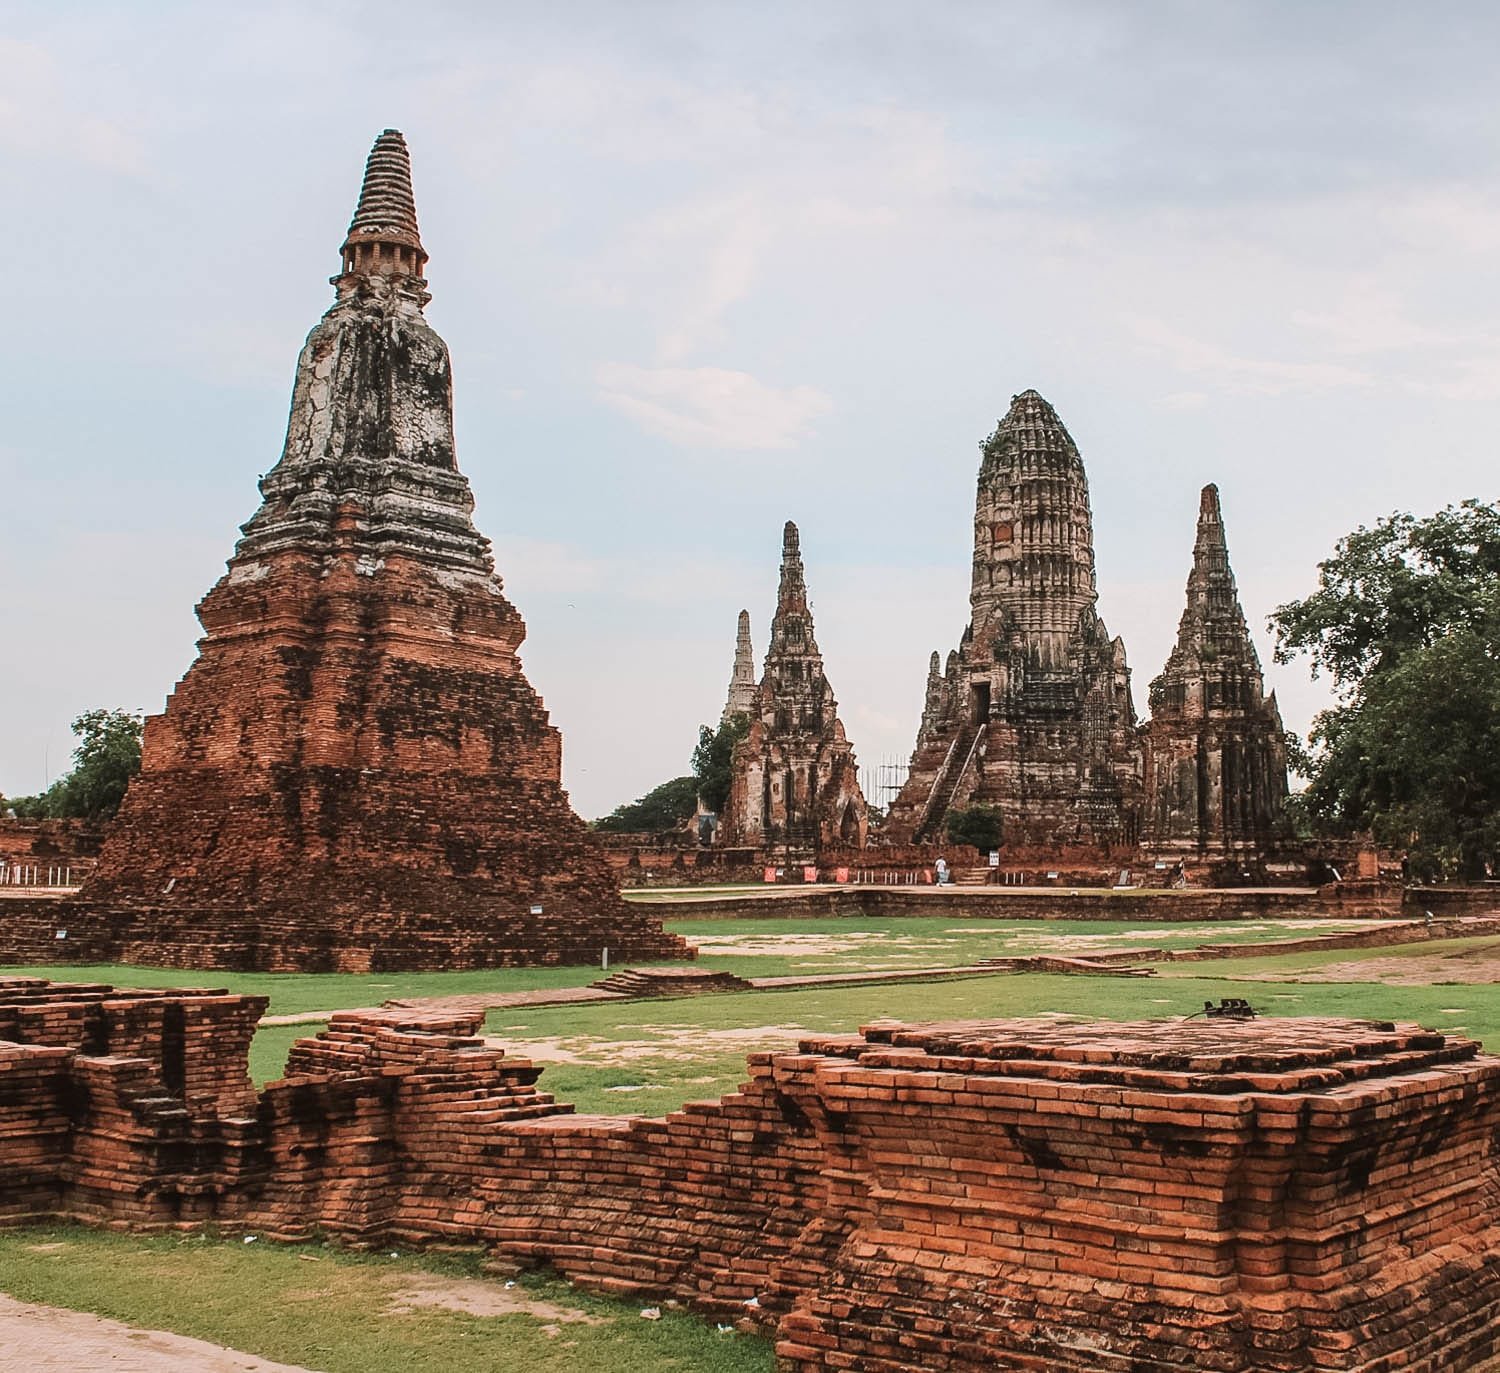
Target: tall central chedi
point(355, 772)
point(1033, 714)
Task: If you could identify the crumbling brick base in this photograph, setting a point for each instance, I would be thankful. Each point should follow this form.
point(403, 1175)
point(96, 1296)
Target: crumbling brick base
point(1274, 1195)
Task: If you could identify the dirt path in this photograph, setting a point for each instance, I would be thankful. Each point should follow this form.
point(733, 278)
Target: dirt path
point(46, 1339)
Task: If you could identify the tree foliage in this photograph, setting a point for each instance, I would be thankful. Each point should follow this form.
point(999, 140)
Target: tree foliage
point(662, 808)
point(980, 826)
point(107, 756)
point(1406, 623)
point(711, 760)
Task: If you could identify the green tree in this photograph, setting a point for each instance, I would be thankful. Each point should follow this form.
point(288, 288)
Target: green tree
point(1406, 623)
point(711, 760)
point(981, 826)
point(662, 808)
point(108, 755)
point(30, 807)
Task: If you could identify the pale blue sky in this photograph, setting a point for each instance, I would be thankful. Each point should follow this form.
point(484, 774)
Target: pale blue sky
point(706, 267)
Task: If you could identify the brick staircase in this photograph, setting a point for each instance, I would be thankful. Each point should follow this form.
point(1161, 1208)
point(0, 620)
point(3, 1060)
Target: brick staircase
point(670, 982)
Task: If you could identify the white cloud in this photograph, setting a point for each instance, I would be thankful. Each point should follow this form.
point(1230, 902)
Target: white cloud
point(711, 406)
point(1184, 400)
point(1371, 319)
point(38, 116)
point(1245, 376)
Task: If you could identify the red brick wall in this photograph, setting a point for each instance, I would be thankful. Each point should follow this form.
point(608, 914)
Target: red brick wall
point(1277, 1195)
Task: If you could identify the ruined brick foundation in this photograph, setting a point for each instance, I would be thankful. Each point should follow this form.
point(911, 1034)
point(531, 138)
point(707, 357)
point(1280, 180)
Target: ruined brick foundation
point(1275, 1195)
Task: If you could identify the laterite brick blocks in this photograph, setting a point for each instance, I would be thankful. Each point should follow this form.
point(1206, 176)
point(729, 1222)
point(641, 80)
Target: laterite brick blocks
point(1277, 1195)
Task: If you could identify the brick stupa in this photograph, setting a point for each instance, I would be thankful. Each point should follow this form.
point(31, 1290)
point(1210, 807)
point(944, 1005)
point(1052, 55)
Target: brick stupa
point(355, 773)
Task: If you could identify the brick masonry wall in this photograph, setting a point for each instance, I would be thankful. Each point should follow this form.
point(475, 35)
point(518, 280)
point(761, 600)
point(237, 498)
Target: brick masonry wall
point(1002, 903)
point(50, 841)
point(1277, 1195)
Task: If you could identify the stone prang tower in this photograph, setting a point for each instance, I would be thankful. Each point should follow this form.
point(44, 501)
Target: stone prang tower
point(742, 684)
point(1033, 714)
point(1216, 748)
point(794, 783)
point(355, 772)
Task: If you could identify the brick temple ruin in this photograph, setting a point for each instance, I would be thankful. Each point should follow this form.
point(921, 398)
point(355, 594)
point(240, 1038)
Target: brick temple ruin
point(1032, 713)
point(794, 789)
point(1215, 747)
point(1271, 1195)
point(355, 772)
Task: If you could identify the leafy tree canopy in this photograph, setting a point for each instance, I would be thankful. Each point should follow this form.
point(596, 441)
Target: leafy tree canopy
point(108, 755)
point(1396, 589)
point(662, 808)
point(712, 757)
point(980, 826)
point(1406, 621)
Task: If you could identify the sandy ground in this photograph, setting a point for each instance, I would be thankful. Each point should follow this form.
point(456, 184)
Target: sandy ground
point(890, 944)
point(45, 1339)
point(1469, 966)
point(679, 1041)
point(471, 1297)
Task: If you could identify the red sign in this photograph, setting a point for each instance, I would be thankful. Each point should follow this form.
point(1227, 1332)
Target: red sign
point(770, 874)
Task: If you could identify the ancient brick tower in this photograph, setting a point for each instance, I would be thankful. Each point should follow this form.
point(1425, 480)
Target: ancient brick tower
point(1033, 714)
point(794, 786)
point(355, 772)
point(1215, 747)
point(742, 684)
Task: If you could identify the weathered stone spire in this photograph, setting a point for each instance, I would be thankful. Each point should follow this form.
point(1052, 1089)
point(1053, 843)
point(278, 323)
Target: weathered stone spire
point(742, 681)
point(1213, 623)
point(383, 235)
point(792, 638)
point(935, 697)
point(369, 462)
point(793, 777)
point(1215, 755)
point(791, 597)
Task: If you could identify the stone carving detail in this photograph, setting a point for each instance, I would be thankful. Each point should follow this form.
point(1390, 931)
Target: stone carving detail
point(355, 771)
point(1033, 713)
point(794, 785)
point(1216, 748)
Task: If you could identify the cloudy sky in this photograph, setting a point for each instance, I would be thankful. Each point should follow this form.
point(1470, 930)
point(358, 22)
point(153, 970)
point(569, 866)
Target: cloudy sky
point(704, 267)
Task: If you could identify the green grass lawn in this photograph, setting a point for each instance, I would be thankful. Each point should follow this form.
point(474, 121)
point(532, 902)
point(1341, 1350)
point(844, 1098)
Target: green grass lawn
point(649, 1057)
point(764, 947)
point(298, 993)
point(334, 1310)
